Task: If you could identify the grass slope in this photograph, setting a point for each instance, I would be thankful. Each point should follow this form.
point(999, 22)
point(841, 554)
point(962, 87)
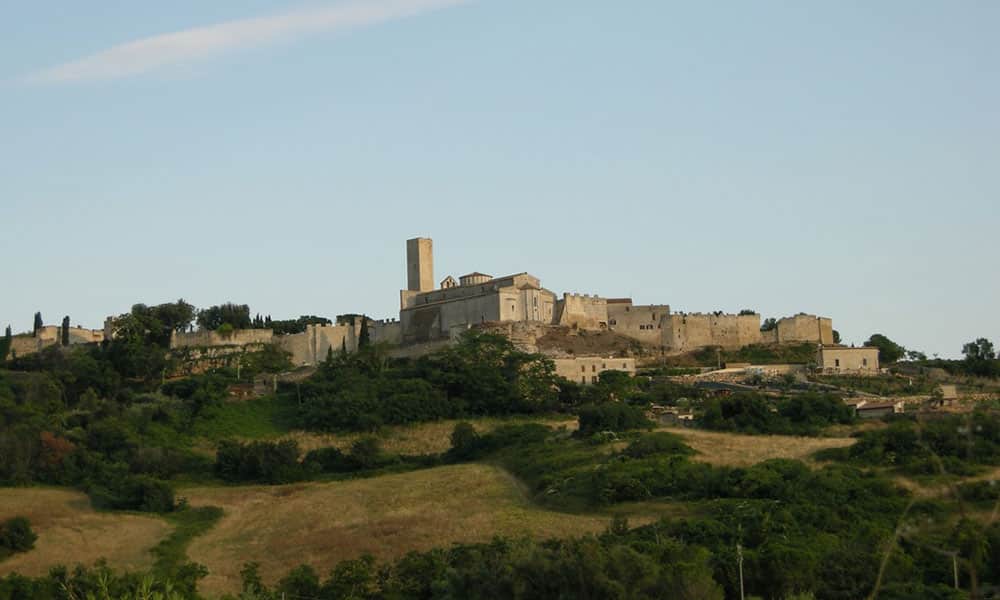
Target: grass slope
point(70, 532)
point(322, 523)
point(738, 450)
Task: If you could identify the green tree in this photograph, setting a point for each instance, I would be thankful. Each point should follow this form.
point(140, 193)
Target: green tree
point(65, 331)
point(980, 358)
point(464, 440)
point(38, 324)
point(5, 344)
point(236, 316)
point(888, 350)
point(769, 324)
point(981, 349)
point(16, 535)
point(836, 336)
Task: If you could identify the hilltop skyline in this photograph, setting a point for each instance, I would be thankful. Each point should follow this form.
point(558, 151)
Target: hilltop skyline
point(838, 160)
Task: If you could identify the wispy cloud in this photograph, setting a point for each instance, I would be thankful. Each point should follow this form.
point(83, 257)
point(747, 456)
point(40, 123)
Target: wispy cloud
point(189, 45)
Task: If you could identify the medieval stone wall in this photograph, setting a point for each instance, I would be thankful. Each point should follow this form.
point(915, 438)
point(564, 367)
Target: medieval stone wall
point(581, 310)
point(642, 322)
point(683, 332)
point(239, 337)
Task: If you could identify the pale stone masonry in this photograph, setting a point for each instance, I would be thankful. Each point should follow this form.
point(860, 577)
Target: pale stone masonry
point(587, 370)
point(844, 360)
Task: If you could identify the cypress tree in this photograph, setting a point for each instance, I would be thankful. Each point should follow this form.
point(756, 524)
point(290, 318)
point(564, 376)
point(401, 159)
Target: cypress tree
point(65, 331)
point(5, 344)
point(38, 324)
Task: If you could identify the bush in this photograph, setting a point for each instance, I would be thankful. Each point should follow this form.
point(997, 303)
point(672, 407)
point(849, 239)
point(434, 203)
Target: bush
point(260, 461)
point(464, 441)
point(659, 442)
point(16, 535)
point(612, 416)
point(140, 493)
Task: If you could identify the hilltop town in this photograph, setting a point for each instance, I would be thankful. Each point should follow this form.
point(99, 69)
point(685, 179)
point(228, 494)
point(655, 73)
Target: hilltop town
point(519, 307)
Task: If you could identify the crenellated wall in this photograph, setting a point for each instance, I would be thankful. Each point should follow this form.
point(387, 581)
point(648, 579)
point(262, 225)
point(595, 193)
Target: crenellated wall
point(238, 337)
point(683, 332)
point(581, 310)
point(640, 322)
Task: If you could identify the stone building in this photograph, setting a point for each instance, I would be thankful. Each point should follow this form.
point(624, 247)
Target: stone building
point(51, 335)
point(844, 360)
point(587, 369)
point(426, 314)
point(642, 322)
point(800, 328)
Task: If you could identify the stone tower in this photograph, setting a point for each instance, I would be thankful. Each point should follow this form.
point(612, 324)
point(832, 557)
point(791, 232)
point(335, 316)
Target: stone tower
point(420, 265)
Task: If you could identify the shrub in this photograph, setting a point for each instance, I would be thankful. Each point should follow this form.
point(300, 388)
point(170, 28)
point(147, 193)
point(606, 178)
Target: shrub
point(140, 493)
point(16, 535)
point(611, 416)
point(366, 453)
point(260, 461)
point(464, 441)
point(659, 442)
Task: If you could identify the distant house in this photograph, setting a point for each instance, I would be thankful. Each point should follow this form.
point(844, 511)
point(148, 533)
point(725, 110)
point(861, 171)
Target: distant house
point(588, 369)
point(837, 360)
point(877, 410)
point(855, 403)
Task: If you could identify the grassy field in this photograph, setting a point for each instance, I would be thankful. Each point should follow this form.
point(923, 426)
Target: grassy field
point(322, 523)
point(70, 532)
point(421, 438)
point(733, 449)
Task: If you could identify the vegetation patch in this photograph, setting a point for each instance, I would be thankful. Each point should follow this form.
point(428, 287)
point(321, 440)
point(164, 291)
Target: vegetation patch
point(71, 532)
point(322, 523)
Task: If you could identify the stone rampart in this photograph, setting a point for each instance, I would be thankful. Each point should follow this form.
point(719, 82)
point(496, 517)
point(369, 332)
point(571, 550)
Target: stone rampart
point(683, 332)
point(581, 310)
point(239, 337)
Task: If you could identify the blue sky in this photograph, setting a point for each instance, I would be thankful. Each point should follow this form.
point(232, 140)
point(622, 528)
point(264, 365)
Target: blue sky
point(835, 158)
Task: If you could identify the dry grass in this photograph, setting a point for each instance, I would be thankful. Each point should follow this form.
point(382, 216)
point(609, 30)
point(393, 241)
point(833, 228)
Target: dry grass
point(70, 532)
point(422, 438)
point(738, 450)
point(323, 523)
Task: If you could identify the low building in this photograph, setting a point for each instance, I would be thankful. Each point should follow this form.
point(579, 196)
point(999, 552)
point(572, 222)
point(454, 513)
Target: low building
point(877, 410)
point(587, 369)
point(837, 360)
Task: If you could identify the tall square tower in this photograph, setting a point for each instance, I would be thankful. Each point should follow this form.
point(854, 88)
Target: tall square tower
point(420, 265)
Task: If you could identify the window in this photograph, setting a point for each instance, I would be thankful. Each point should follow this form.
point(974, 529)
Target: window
point(604, 365)
point(624, 366)
point(583, 379)
point(583, 368)
point(593, 368)
point(593, 379)
point(654, 316)
point(836, 362)
point(864, 362)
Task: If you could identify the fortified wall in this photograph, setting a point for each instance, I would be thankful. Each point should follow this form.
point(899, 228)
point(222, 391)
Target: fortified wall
point(581, 310)
point(800, 328)
point(51, 335)
point(204, 339)
point(642, 322)
point(684, 332)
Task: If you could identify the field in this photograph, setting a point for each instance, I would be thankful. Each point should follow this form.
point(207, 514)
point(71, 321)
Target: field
point(71, 532)
point(423, 438)
point(281, 527)
point(737, 450)
point(320, 524)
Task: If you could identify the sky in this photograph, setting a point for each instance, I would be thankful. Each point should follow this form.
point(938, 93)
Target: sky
point(835, 158)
